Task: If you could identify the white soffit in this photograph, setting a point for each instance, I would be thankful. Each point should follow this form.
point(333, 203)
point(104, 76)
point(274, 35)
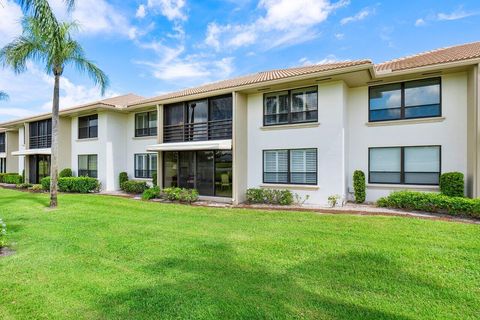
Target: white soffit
point(30, 152)
point(191, 146)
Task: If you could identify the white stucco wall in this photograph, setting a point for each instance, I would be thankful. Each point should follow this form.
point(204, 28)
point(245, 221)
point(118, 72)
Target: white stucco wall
point(451, 133)
point(328, 137)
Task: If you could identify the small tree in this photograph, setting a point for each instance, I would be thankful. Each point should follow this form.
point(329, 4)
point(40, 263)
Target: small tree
point(359, 186)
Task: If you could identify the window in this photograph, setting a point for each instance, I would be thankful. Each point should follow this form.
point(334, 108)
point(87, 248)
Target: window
point(406, 100)
point(294, 106)
point(145, 165)
point(87, 165)
point(40, 133)
point(3, 165)
point(88, 127)
point(146, 124)
point(296, 166)
point(2, 142)
point(405, 165)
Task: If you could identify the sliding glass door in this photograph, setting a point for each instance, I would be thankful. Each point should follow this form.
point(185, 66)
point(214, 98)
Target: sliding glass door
point(210, 172)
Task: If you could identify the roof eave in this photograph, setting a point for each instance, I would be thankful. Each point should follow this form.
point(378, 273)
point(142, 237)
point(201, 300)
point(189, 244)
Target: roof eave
point(423, 69)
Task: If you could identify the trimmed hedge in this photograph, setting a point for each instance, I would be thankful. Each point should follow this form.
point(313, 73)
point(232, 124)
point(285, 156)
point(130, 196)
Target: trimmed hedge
point(122, 178)
point(11, 178)
point(154, 179)
point(452, 184)
point(73, 184)
point(67, 172)
point(269, 196)
point(151, 193)
point(134, 187)
point(180, 194)
point(431, 202)
point(359, 186)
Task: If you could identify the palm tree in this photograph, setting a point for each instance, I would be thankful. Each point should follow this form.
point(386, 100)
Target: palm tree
point(47, 41)
point(3, 95)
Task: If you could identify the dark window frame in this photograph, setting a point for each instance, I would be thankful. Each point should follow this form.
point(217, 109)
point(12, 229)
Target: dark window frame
point(402, 103)
point(149, 172)
point(148, 131)
point(87, 172)
point(90, 133)
point(402, 165)
point(215, 129)
point(3, 165)
point(290, 112)
point(3, 141)
point(37, 140)
point(288, 167)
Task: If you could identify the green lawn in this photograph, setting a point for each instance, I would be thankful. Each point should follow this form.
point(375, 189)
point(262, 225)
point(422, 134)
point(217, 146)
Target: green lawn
point(100, 257)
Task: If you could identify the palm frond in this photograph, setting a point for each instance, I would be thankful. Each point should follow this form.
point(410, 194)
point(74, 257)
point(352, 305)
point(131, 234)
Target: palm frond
point(3, 96)
point(98, 77)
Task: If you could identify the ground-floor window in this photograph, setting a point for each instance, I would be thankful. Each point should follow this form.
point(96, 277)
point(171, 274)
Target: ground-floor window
point(87, 165)
point(294, 166)
point(145, 165)
point(405, 165)
point(210, 172)
point(3, 165)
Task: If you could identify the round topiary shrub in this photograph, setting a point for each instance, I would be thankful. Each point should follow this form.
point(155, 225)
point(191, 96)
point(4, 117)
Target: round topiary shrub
point(452, 184)
point(359, 186)
point(67, 172)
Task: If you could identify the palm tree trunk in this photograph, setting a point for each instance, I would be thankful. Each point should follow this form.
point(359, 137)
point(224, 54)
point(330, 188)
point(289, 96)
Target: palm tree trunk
point(54, 156)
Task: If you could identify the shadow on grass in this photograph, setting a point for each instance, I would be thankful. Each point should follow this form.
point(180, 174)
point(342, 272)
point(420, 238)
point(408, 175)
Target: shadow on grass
point(209, 282)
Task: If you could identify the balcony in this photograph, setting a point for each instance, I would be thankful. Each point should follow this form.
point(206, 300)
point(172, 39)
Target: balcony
point(40, 142)
point(200, 131)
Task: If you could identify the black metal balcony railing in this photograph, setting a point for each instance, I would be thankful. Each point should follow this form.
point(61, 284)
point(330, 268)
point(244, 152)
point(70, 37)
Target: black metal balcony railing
point(87, 173)
point(39, 142)
point(200, 131)
point(144, 174)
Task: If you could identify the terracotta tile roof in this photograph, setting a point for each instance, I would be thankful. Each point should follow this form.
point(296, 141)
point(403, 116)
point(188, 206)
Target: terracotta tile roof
point(258, 78)
point(123, 100)
point(438, 56)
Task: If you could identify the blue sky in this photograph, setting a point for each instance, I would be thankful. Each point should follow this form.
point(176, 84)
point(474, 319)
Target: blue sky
point(151, 47)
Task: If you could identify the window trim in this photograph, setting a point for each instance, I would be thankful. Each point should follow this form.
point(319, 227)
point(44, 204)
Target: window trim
point(3, 145)
point(149, 171)
point(88, 163)
point(402, 165)
point(289, 114)
point(288, 167)
point(148, 128)
point(88, 127)
point(402, 99)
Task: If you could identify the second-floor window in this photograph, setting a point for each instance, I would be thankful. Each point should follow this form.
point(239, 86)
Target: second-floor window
point(405, 100)
point(87, 165)
point(146, 124)
point(2, 142)
point(40, 133)
point(88, 127)
point(145, 165)
point(291, 106)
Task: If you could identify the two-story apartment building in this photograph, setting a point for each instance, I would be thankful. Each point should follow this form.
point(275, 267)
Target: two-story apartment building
point(307, 129)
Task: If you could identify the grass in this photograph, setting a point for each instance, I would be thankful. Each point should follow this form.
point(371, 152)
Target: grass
point(99, 257)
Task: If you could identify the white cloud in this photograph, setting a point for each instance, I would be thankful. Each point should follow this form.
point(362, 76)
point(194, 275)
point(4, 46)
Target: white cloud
point(141, 13)
point(420, 22)
point(284, 22)
point(171, 9)
point(339, 36)
point(10, 17)
point(95, 16)
point(173, 65)
point(455, 15)
point(328, 59)
point(362, 14)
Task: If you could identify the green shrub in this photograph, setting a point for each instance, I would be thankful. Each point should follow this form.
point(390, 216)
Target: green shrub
point(151, 193)
point(122, 178)
point(431, 202)
point(73, 184)
point(3, 234)
point(24, 185)
point(12, 178)
point(154, 179)
point(134, 187)
point(36, 188)
point(270, 196)
point(359, 186)
point(67, 172)
point(452, 184)
point(188, 195)
point(172, 193)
